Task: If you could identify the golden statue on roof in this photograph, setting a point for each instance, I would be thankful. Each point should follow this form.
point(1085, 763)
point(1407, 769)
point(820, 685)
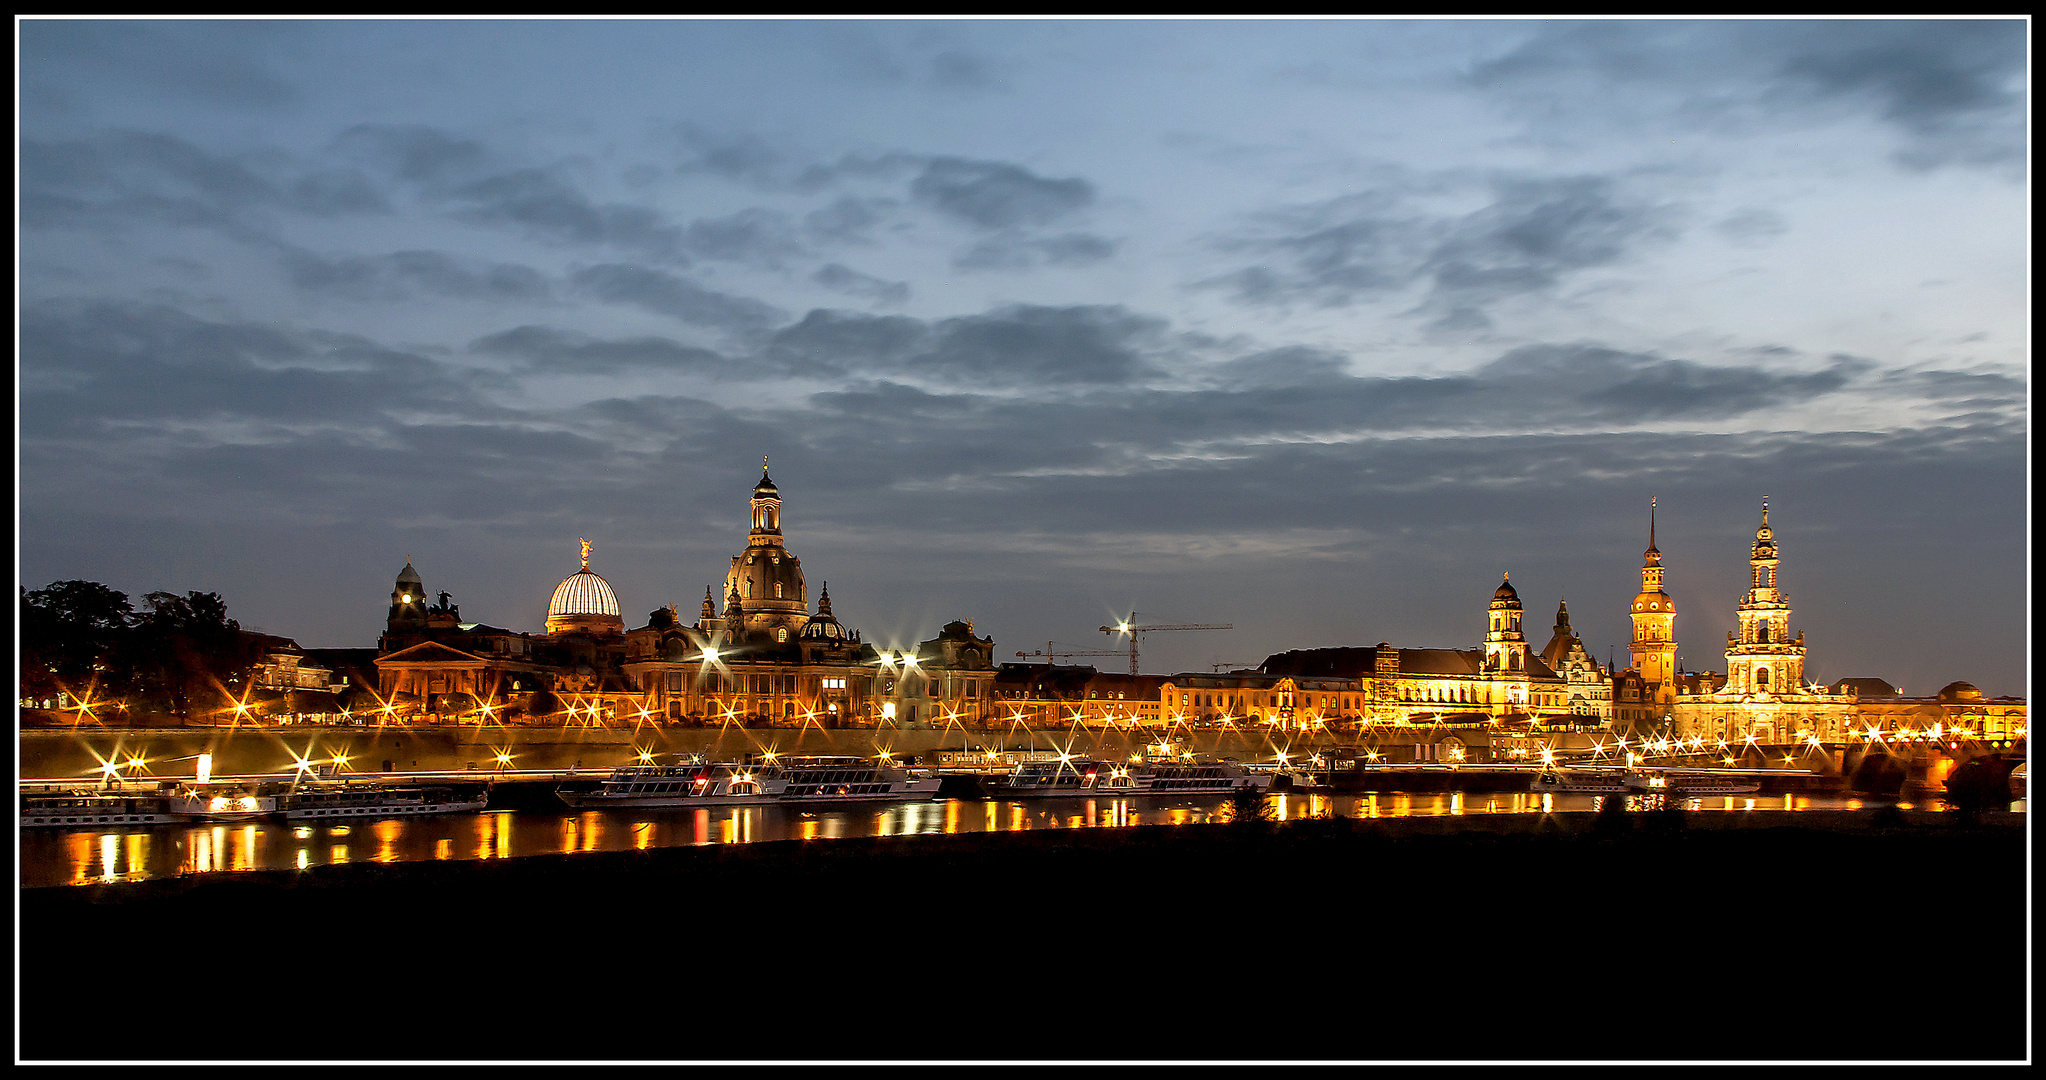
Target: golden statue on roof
point(586, 554)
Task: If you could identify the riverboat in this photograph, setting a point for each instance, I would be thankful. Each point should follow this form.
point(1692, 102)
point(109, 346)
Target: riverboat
point(757, 779)
point(1684, 783)
point(2017, 783)
point(328, 801)
point(1086, 777)
point(689, 784)
point(86, 807)
point(218, 804)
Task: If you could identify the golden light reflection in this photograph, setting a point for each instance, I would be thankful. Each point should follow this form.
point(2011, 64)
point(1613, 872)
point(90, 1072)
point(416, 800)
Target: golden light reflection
point(387, 833)
point(338, 854)
point(443, 848)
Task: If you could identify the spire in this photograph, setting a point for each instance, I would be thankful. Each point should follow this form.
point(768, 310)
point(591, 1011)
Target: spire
point(824, 600)
point(710, 609)
point(1651, 523)
point(1562, 615)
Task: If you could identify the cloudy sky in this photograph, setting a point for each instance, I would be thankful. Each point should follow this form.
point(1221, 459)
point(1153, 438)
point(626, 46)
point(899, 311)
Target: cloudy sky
point(1314, 328)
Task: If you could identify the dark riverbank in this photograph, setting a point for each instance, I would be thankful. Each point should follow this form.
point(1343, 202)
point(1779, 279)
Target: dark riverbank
point(1552, 937)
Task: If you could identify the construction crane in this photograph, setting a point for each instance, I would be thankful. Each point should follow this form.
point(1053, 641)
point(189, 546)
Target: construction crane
point(1051, 654)
point(1129, 626)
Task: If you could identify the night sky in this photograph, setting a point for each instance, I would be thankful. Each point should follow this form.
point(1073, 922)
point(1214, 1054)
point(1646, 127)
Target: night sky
point(1315, 328)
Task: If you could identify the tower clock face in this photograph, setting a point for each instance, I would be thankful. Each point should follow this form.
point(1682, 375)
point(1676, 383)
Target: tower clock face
point(406, 597)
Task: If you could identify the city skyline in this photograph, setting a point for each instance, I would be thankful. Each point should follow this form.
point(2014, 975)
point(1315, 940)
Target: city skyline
point(1315, 328)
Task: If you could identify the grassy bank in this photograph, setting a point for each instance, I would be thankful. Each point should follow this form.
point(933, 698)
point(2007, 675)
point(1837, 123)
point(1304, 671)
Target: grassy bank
point(1549, 937)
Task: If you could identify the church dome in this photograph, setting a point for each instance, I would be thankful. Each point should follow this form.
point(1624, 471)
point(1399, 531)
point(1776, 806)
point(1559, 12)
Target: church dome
point(584, 601)
point(1959, 691)
point(583, 593)
point(408, 574)
point(1505, 595)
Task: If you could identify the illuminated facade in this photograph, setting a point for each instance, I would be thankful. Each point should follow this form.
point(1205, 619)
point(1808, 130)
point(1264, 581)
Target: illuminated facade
point(1761, 697)
point(1503, 681)
point(1589, 688)
point(1644, 694)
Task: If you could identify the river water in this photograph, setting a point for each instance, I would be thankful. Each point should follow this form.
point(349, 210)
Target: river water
point(89, 856)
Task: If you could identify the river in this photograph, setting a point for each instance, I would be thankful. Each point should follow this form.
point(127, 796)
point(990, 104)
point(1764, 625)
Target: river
point(87, 856)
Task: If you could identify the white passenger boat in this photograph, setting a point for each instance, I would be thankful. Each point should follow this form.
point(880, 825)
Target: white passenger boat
point(1043, 779)
point(81, 807)
point(194, 803)
point(372, 800)
point(1639, 781)
point(758, 779)
point(2017, 783)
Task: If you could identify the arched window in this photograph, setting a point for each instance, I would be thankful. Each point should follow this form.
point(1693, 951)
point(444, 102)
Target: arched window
point(1762, 633)
point(749, 587)
point(777, 590)
point(1762, 677)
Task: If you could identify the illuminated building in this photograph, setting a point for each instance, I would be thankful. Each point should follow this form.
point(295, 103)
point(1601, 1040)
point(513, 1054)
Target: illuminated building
point(1503, 681)
point(1644, 693)
point(1761, 697)
point(1589, 692)
point(768, 658)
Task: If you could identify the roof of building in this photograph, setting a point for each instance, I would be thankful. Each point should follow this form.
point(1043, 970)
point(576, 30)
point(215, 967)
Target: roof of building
point(583, 593)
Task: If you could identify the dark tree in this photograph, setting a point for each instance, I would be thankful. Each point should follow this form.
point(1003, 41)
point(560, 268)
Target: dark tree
point(190, 655)
point(75, 637)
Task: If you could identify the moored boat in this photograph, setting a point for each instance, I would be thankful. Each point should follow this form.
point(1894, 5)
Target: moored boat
point(79, 807)
point(1684, 783)
point(1082, 776)
point(219, 803)
point(757, 779)
point(328, 801)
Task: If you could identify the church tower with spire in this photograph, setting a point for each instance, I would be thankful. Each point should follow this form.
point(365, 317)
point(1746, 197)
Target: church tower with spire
point(1762, 657)
point(1649, 688)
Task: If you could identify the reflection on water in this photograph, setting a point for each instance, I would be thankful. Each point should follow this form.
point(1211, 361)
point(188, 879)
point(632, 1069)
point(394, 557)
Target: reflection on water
point(83, 857)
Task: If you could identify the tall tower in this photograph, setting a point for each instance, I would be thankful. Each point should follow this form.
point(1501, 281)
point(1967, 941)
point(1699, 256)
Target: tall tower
point(766, 577)
point(1763, 658)
point(1654, 648)
point(408, 601)
point(1505, 643)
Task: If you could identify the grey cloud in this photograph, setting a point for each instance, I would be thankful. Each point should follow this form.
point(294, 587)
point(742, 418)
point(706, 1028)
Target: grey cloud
point(413, 151)
point(209, 62)
point(1957, 88)
point(677, 297)
point(1042, 346)
point(848, 219)
point(125, 177)
point(1615, 386)
point(752, 161)
point(838, 341)
point(1751, 227)
point(151, 366)
point(759, 237)
point(404, 275)
point(1988, 391)
point(1535, 231)
point(995, 195)
point(1289, 366)
point(549, 208)
point(1011, 250)
point(546, 350)
point(851, 282)
point(959, 69)
point(1953, 90)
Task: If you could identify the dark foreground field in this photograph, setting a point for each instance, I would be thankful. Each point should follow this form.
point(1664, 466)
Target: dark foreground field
point(1724, 937)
